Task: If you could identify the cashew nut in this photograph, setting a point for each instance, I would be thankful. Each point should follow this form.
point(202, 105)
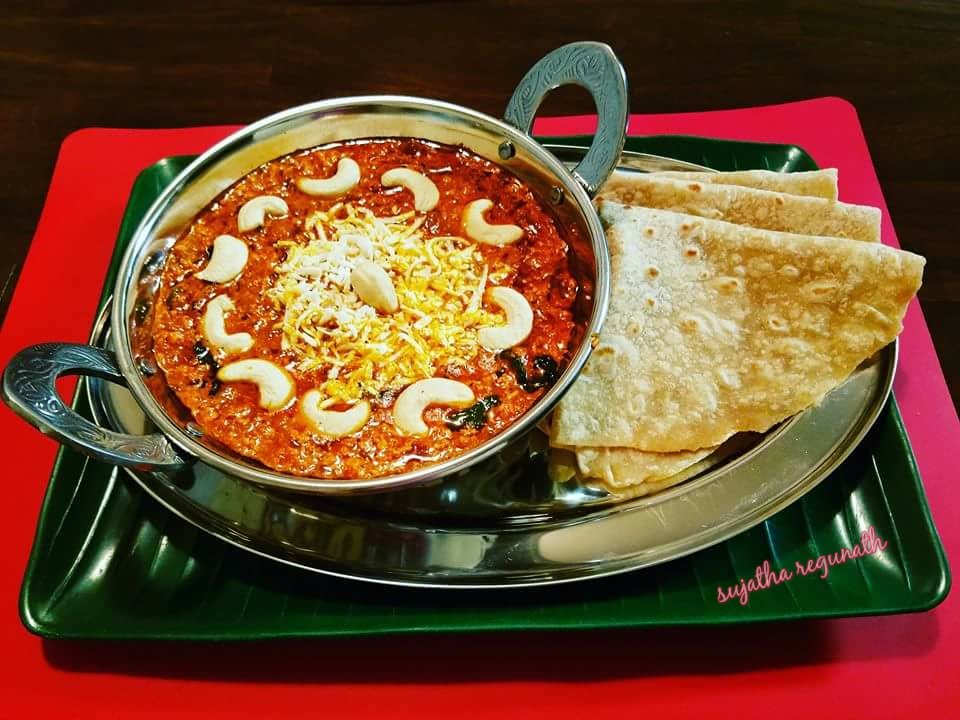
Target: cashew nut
point(519, 320)
point(275, 384)
point(228, 259)
point(374, 286)
point(331, 422)
point(425, 193)
point(477, 228)
point(253, 212)
point(347, 175)
point(215, 331)
point(410, 404)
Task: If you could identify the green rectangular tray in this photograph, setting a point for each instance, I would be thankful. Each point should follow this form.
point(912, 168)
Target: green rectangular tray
point(109, 562)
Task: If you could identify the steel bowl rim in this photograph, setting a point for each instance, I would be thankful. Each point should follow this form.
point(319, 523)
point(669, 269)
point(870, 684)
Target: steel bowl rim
point(128, 271)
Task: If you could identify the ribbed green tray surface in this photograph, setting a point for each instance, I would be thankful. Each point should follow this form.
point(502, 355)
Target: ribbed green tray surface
point(108, 561)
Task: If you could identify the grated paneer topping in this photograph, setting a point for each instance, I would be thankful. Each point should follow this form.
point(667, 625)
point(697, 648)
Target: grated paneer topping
point(439, 282)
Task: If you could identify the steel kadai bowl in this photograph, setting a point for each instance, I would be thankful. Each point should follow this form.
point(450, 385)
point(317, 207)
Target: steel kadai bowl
point(29, 379)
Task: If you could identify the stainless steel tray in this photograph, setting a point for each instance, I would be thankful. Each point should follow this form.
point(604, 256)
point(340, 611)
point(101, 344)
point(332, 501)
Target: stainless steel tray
point(505, 523)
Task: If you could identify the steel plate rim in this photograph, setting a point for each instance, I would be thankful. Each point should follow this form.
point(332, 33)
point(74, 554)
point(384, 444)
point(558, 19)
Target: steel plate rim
point(730, 528)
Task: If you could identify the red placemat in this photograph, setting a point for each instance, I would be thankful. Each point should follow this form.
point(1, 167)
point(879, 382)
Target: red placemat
point(860, 667)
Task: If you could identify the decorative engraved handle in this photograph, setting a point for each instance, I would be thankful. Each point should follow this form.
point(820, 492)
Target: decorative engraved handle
point(29, 389)
point(591, 65)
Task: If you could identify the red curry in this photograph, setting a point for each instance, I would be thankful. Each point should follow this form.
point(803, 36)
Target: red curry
point(505, 384)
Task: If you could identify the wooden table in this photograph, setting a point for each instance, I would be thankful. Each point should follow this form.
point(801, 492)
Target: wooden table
point(65, 66)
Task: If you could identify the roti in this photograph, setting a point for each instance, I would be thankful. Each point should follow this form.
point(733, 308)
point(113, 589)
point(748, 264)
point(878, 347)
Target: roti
point(627, 473)
point(715, 328)
point(622, 472)
point(746, 206)
point(643, 473)
point(813, 183)
point(623, 467)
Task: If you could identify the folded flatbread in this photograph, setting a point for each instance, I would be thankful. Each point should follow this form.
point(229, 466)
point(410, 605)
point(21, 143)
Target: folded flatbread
point(627, 473)
point(619, 468)
point(636, 472)
point(715, 328)
point(814, 183)
point(746, 206)
point(623, 467)
point(622, 472)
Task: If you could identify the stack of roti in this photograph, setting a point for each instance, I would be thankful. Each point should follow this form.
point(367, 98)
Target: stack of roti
point(738, 300)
